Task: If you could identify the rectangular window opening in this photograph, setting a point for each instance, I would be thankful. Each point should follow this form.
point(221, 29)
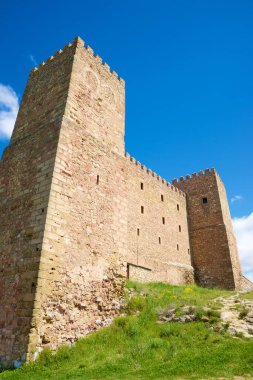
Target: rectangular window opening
point(138, 232)
point(180, 229)
point(159, 240)
point(177, 247)
point(177, 207)
point(142, 209)
point(142, 186)
point(128, 270)
point(204, 200)
point(163, 220)
point(97, 179)
point(162, 198)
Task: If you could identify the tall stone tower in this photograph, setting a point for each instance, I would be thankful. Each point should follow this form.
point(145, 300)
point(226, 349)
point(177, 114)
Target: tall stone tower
point(213, 245)
point(58, 218)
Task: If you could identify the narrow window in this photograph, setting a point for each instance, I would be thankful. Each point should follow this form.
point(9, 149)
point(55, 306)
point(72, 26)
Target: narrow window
point(178, 247)
point(32, 287)
point(204, 201)
point(177, 207)
point(159, 240)
point(142, 186)
point(138, 232)
point(128, 270)
point(163, 219)
point(188, 251)
point(162, 199)
point(97, 179)
point(42, 210)
point(180, 229)
point(142, 209)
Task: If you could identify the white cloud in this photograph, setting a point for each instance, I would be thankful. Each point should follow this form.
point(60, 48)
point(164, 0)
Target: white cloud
point(243, 228)
point(8, 110)
point(236, 198)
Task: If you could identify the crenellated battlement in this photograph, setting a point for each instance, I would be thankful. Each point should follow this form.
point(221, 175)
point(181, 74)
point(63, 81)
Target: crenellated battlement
point(193, 176)
point(76, 43)
point(149, 172)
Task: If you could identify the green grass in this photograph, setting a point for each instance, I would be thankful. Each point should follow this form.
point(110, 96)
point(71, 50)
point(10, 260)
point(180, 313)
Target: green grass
point(136, 347)
point(248, 296)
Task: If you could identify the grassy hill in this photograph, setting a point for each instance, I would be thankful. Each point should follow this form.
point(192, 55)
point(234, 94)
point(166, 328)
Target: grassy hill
point(137, 347)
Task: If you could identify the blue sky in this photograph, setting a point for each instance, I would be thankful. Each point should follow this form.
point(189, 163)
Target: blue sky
point(188, 67)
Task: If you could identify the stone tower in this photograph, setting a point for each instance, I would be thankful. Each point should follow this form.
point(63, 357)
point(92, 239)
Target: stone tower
point(57, 224)
point(78, 214)
point(213, 245)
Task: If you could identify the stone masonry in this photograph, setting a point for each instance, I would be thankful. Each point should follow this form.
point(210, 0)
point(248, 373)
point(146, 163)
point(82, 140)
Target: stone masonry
point(79, 215)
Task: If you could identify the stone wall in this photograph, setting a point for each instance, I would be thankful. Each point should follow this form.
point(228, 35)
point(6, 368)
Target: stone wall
point(157, 225)
point(82, 244)
point(25, 182)
point(90, 231)
point(213, 245)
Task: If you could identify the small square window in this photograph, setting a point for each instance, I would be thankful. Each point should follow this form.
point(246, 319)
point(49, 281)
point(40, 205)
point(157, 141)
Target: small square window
point(142, 209)
point(204, 201)
point(162, 198)
point(142, 186)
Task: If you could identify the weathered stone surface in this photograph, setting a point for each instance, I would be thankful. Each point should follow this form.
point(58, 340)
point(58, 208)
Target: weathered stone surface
point(213, 245)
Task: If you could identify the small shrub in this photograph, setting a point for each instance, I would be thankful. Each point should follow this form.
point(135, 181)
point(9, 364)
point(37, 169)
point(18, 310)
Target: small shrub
point(63, 353)
point(199, 313)
point(178, 312)
point(121, 322)
point(46, 357)
point(239, 335)
point(226, 326)
point(132, 329)
point(167, 331)
point(135, 304)
point(213, 313)
point(156, 343)
point(213, 320)
point(243, 313)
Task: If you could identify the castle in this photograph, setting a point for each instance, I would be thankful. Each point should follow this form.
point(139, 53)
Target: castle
point(79, 215)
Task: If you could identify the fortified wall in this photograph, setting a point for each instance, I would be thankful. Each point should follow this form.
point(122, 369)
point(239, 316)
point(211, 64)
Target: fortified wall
point(79, 215)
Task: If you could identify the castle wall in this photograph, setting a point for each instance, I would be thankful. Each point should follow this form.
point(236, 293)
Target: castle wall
point(94, 213)
point(213, 246)
point(25, 180)
point(158, 236)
